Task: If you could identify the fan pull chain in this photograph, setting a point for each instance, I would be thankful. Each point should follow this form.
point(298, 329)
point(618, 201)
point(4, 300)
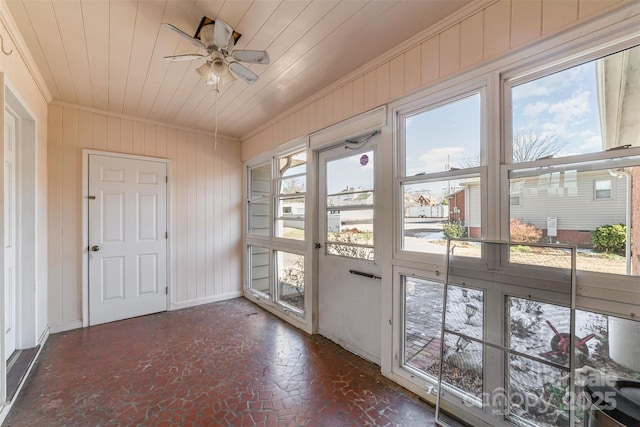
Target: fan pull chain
point(215, 112)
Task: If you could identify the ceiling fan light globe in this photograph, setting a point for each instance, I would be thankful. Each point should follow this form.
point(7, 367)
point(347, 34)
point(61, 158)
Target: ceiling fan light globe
point(227, 79)
point(219, 67)
point(204, 70)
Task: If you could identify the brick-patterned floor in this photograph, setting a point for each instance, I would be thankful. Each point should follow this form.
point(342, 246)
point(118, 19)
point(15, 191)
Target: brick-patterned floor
point(222, 364)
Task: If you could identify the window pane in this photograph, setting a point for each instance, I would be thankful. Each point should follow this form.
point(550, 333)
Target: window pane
point(589, 108)
point(351, 198)
point(291, 279)
point(612, 355)
point(290, 220)
point(293, 164)
point(462, 365)
point(294, 185)
point(350, 226)
point(436, 210)
point(443, 138)
point(260, 270)
point(560, 207)
point(259, 217)
point(541, 330)
point(534, 255)
point(422, 324)
point(350, 185)
point(602, 188)
point(351, 251)
point(349, 174)
point(260, 181)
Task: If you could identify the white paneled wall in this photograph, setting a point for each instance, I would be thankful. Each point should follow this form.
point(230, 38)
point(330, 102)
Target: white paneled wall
point(205, 206)
point(33, 96)
point(435, 55)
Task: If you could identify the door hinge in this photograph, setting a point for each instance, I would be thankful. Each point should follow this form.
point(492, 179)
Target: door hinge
point(166, 234)
point(166, 290)
point(166, 179)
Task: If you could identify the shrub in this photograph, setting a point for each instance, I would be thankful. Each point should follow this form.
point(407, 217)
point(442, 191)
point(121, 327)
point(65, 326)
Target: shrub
point(610, 238)
point(523, 232)
point(454, 229)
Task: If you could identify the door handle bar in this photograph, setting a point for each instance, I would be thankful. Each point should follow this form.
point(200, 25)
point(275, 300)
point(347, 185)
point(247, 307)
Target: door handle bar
point(362, 273)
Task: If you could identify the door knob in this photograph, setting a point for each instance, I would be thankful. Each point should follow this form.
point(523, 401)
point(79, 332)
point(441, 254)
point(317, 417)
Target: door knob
point(95, 248)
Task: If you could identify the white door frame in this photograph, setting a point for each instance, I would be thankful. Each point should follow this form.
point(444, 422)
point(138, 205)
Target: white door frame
point(85, 224)
point(28, 312)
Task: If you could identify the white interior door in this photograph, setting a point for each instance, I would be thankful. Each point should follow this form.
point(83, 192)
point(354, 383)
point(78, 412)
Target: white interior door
point(349, 285)
point(10, 206)
point(127, 238)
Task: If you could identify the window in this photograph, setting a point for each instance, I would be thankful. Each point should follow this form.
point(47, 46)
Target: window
point(588, 108)
point(275, 236)
point(573, 162)
point(422, 324)
point(514, 193)
point(258, 203)
point(557, 167)
point(350, 206)
point(602, 189)
point(290, 271)
point(291, 187)
point(440, 181)
point(423, 301)
point(260, 270)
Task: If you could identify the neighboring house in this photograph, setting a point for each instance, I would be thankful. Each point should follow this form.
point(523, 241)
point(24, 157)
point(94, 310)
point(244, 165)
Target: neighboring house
point(456, 206)
point(579, 202)
point(464, 206)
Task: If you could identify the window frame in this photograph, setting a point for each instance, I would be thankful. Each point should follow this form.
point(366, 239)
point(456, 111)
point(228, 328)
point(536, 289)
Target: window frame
point(428, 102)
point(273, 243)
point(596, 190)
point(599, 292)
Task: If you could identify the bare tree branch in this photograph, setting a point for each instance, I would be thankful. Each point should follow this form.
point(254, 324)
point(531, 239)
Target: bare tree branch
point(531, 146)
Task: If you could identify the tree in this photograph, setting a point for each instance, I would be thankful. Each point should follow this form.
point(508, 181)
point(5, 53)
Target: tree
point(526, 148)
point(531, 146)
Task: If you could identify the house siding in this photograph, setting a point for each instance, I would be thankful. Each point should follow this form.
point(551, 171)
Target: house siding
point(574, 207)
point(205, 207)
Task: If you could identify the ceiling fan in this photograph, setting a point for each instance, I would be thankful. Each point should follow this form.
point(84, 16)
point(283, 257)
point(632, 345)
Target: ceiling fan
point(218, 38)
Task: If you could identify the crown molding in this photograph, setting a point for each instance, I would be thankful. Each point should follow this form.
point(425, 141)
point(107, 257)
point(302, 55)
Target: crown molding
point(141, 120)
point(21, 47)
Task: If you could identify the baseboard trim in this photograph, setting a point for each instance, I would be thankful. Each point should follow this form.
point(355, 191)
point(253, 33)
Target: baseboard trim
point(62, 327)
point(4, 409)
point(207, 300)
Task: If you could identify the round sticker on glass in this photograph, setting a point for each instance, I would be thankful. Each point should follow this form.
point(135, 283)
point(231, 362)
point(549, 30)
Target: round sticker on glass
point(364, 160)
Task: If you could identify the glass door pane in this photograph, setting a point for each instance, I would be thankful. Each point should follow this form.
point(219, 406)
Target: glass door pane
point(349, 206)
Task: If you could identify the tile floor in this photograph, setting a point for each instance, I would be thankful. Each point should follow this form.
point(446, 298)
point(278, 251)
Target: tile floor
point(222, 364)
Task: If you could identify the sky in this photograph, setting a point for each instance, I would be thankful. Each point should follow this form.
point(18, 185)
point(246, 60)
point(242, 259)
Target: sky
point(449, 134)
point(562, 105)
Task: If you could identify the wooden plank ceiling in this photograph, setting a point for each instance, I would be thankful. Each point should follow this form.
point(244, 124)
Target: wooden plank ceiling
point(109, 55)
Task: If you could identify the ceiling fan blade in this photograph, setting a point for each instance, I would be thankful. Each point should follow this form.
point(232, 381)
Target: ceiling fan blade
point(184, 35)
point(252, 56)
point(223, 35)
point(186, 57)
point(243, 72)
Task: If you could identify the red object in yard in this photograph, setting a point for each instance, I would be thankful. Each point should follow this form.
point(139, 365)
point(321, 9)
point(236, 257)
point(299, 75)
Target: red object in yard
point(560, 343)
